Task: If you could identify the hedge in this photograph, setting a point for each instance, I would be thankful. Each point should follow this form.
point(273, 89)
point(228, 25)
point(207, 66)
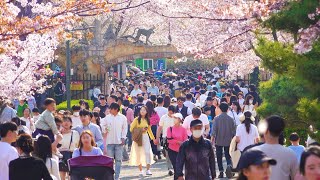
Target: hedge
point(63, 105)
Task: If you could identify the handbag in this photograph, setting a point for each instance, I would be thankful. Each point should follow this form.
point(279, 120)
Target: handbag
point(63, 162)
point(234, 153)
point(165, 143)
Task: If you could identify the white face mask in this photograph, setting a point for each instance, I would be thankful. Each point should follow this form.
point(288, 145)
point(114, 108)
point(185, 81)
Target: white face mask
point(197, 133)
point(250, 101)
point(76, 113)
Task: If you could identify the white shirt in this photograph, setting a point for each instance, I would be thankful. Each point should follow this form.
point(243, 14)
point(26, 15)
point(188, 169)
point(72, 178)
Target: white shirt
point(241, 102)
point(135, 92)
point(188, 119)
point(189, 104)
point(53, 167)
point(245, 138)
point(65, 142)
point(117, 128)
point(165, 123)
point(29, 125)
point(235, 116)
point(161, 111)
point(76, 121)
point(244, 90)
point(7, 154)
point(96, 92)
point(203, 99)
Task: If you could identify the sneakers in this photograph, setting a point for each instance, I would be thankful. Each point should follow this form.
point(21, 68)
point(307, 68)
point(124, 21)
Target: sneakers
point(148, 173)
point(170, 172)
point(229, 173)
point(141, 174)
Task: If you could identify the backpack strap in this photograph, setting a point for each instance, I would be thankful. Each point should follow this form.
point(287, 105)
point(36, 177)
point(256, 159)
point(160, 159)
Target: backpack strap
point(71, 139)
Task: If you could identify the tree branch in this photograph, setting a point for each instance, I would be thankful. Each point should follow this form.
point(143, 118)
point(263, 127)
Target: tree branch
point(130, 7)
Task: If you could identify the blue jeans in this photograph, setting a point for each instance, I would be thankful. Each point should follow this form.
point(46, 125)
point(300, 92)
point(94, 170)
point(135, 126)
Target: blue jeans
point(115, 151)
point(219, 150)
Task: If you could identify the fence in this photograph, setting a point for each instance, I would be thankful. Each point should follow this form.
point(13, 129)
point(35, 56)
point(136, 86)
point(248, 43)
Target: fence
point(87, 81)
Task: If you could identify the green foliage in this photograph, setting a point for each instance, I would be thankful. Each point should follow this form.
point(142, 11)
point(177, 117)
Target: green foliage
point(280, 95)
point(295, 89)
point(255, 77)
point(192, 64)
point(276, 56)
point(63, 105)
point(293, 17)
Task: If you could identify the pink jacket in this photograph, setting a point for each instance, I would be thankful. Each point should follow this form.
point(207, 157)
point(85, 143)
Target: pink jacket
point(179, 135)
point(129, 115)
point(154, 119)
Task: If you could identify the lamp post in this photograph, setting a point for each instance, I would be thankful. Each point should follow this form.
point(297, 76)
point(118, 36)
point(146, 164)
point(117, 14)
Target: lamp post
point(68, 74)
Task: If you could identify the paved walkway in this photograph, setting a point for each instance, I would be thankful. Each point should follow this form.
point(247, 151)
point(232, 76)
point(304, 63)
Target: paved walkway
point(158, 169)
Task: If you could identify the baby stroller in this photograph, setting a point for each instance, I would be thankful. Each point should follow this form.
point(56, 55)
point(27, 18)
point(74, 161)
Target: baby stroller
point(91, 167)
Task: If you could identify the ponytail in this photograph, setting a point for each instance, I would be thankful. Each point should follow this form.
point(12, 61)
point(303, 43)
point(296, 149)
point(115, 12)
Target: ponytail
point(247, 123)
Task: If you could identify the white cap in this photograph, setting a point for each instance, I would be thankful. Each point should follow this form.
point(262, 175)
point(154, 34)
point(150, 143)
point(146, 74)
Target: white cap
point(178, 115)
point(173, 99)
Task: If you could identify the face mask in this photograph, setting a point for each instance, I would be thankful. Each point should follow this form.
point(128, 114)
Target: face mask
point(76, 113)
point(197, 133)
point(251, 101)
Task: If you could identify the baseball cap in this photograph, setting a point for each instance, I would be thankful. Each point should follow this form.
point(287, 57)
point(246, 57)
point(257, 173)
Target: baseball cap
point(174, 100)
point(178, 115)
point(254, 157)
point(102, 97)
point(196, 122)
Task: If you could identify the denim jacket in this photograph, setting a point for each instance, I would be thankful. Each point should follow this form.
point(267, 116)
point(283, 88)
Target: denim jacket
point(198, 158)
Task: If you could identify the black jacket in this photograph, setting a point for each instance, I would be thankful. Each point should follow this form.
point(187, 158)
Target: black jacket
point(184, 111)
point(28, 169)
point(198, 158)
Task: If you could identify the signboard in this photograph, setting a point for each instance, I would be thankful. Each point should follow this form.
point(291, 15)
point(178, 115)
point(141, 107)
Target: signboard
point(76, 86)
point(161, 64)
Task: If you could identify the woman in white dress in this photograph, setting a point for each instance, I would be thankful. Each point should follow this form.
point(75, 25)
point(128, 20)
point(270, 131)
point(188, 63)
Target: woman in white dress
point(246, 133)
point(142, 155)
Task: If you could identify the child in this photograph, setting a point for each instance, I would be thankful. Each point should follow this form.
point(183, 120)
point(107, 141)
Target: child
point(46, 124)
point(35, 114)
point(207, 111)
point(298, 149)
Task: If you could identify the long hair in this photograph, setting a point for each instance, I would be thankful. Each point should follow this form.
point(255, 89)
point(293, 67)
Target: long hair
point(246, 102)
point(93, 143)
point(167, 101)
point(43, 149)
point(147, 117)
point(236, 103)
point(150, 108)
point(97, 117)
point(247, 121)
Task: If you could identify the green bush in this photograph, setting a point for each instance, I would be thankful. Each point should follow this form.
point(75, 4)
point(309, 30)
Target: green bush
point(63, 105)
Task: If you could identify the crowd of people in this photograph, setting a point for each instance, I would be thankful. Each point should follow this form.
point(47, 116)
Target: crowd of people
point(192, 120)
